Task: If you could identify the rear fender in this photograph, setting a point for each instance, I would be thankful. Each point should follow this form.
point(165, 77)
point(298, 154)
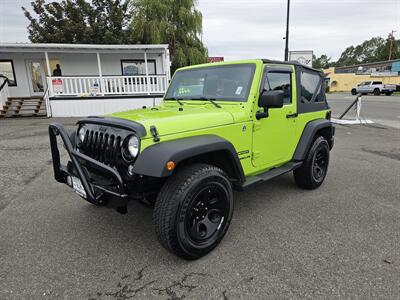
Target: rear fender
point(317, 127)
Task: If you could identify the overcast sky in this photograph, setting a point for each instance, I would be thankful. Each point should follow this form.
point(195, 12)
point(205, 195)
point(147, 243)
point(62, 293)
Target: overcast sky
point(239, 29)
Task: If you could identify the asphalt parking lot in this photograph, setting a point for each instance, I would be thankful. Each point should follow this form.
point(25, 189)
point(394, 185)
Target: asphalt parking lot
point(340, 241)
point(384, 110)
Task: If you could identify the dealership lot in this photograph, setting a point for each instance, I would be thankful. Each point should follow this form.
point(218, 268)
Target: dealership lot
point(341, 240)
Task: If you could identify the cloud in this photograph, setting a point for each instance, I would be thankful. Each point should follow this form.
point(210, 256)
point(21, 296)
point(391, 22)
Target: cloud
point(12, 21)
point(239, 29)
point(255, 28)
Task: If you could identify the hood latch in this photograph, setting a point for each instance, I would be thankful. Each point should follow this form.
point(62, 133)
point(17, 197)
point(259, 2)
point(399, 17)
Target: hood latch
point(154, 133)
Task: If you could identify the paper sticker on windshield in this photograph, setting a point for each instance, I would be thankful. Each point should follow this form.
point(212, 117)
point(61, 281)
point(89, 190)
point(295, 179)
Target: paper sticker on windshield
point(183, 91)
point(239, 90)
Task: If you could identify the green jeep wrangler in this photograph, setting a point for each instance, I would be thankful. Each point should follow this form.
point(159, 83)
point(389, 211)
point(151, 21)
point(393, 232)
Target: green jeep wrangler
point(220, 127)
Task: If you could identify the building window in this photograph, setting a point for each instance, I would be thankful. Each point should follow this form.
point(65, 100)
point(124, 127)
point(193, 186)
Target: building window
point(138, 67)
point(7, 70)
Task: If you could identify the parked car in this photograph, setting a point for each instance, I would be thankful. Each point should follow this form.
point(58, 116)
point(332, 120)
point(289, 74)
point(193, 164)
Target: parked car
point(220, 127)
point(373, 87)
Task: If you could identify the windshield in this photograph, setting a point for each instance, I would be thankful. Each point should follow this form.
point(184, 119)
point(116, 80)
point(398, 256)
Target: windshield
point(226, 82)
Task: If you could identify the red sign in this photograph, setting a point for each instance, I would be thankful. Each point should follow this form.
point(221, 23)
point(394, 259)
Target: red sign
point(57, 86)
point(215, 59)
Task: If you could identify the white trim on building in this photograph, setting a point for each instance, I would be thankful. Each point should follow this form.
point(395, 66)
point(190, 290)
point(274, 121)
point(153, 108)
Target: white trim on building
point(91, 74)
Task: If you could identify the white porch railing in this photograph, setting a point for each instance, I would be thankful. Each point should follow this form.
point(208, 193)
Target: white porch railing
point(4, 91)
point(107, 85)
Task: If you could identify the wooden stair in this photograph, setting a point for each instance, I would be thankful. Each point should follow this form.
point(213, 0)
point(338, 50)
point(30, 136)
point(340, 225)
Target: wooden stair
point(24, 107)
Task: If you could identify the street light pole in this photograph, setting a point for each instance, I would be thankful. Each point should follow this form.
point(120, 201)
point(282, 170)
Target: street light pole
point(287, 32)
point(391, 43)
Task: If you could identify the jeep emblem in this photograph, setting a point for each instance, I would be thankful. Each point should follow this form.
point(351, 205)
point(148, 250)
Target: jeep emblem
point(103, 128)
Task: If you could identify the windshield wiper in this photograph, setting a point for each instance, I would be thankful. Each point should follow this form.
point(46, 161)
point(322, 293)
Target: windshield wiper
point(212, 100)
point(175, 99)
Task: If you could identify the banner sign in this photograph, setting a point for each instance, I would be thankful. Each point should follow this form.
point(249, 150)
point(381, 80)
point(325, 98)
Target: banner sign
point(57, 86)
point(94, 89)
point(302, 57)
point(215, 59)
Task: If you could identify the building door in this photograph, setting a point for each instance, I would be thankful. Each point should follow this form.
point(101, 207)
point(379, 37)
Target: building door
point(36, 77)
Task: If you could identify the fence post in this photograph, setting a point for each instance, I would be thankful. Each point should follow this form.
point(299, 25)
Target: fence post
point(101, 85)
point(147, 72)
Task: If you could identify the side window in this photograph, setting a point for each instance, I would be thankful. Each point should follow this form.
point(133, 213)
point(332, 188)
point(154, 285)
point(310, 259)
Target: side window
point(7, 70)
point(137, 67)
point(276, 81)
point(309, 85)
point(320, 96)
point(377, 82)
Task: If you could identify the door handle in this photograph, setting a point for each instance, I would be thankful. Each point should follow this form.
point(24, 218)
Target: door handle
point(292, 115)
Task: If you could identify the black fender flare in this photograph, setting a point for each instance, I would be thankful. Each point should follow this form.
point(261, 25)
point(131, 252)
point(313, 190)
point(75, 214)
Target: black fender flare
point(307, 137)
point(152, 161)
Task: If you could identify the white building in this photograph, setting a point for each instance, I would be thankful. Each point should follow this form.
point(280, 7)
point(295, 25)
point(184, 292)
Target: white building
point(95, 79)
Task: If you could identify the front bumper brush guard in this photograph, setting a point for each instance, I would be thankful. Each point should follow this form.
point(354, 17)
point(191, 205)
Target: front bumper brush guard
point(61, 173)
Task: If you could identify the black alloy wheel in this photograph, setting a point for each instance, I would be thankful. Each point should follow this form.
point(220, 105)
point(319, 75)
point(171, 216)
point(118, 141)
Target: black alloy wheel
point(193, 210)
point(320, 163)
point(313, 171)
point(206, 213)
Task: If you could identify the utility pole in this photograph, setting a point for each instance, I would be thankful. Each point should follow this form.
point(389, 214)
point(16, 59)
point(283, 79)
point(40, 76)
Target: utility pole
point(287, 32)
point(391, 43)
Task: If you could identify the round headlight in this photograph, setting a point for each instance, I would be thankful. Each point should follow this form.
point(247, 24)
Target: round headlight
point(81, 134)
point(133, 146)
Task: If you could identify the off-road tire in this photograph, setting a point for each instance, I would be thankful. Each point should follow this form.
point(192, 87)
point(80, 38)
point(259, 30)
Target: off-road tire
point(174, 207)
point(306, 176)
point(377, 92)
point(354, 92)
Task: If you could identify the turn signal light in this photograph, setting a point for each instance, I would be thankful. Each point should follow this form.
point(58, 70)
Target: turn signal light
point(170, 165)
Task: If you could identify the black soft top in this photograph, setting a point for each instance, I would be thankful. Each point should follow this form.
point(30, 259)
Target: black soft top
point(295, 63)
point(305, 106)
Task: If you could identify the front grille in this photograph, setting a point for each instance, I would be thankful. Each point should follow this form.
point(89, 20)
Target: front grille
point(103, 147)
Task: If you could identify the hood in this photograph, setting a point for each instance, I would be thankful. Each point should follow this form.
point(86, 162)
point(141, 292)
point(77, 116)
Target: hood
point(170, 120)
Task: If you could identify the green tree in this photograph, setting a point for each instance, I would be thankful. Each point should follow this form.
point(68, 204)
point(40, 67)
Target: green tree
point(390, 49)
point(322, 62)
point(373, 50)
point(79, 21)
point(174, 22)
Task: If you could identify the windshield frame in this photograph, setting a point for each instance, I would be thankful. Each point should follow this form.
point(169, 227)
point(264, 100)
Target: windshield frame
point(226, 99)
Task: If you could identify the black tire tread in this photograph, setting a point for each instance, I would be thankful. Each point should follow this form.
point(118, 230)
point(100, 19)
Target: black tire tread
point(302, 175)
point(167, 204)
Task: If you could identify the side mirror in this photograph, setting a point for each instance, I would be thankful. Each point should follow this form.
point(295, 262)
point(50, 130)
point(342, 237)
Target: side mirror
point(271, 99)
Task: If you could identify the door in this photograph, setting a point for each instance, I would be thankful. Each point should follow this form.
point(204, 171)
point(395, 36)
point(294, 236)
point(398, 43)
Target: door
point(273, 136)
point(36, 76)
point(365, 87)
